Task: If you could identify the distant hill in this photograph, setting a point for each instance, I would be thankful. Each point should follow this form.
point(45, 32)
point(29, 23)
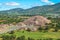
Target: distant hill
point(46, 10)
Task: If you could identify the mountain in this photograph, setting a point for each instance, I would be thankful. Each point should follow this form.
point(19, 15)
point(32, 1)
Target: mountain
point(53, 10)
point(15, 11)
point(46, 10)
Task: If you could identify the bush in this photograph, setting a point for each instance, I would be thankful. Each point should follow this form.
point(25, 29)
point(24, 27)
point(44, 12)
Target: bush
point(48, 39)
point(9, 37)
point(58, 39)
point(12, 37)
point(18, 38)
point(12, 32)
point(21, 38)
point(30, 38)
point(45, 39)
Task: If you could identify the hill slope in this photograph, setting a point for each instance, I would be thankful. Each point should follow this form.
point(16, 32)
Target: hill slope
point(47, 10)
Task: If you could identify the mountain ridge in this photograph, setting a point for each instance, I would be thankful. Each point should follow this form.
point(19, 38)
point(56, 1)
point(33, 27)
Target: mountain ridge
point(38, 10)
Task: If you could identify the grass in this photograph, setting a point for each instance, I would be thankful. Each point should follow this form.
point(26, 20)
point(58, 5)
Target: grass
point(37, 34)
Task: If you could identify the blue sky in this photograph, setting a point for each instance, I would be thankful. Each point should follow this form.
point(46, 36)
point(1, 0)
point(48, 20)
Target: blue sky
point(25, 4)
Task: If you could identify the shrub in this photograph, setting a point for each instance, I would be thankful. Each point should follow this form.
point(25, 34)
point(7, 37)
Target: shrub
point(9, 37)
point(21, 38)
point(30, 38)
point(12, 32)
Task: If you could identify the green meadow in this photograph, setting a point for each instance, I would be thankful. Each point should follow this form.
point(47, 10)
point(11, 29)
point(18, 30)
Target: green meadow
point(37, 35)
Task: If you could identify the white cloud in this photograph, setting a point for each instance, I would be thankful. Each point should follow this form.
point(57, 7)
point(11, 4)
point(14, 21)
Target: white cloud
point(12, 4)
point(48, 2)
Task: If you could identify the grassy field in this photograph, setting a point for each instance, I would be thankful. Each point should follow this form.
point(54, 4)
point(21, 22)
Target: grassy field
point(37, 35)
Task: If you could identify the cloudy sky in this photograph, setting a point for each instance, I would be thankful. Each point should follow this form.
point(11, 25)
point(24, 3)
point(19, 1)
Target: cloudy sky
point(25, 4)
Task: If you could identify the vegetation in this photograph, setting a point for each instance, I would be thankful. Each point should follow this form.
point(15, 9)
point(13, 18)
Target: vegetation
point(49, 32)
point(12, 19)
point(47, 10)
point(19, 35)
